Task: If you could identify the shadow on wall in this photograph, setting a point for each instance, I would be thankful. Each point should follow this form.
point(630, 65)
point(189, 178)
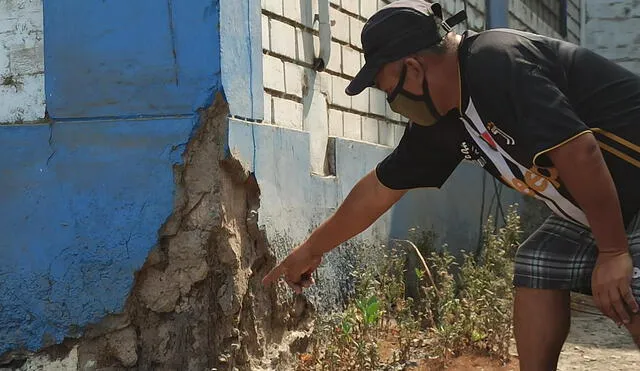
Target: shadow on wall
point(457, 212)
point(294, 201)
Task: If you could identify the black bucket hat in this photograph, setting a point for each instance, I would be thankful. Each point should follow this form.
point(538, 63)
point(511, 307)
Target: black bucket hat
point(397, 30)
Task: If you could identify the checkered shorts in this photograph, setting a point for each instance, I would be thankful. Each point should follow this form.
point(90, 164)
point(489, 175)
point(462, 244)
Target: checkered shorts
point(561, 255)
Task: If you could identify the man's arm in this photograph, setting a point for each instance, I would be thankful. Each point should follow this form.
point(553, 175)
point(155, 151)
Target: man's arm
point(584, 172)
point(366, 202)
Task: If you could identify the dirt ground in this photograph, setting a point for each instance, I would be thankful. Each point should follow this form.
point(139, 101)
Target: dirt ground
point(594, 343)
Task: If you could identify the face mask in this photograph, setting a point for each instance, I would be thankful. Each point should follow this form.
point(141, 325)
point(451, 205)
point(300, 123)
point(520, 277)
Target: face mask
point(417, 108)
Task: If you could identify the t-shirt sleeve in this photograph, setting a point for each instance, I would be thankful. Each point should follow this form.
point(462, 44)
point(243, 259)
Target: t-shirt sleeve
point(418, 161)
point(544, 114)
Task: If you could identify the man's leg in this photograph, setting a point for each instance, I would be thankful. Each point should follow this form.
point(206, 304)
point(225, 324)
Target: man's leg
point(542, 319)
point(554, 260)
point(634, 248)
point(634, 329)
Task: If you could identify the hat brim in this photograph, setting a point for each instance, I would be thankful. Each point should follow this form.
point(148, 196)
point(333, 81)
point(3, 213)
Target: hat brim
point(365, 78)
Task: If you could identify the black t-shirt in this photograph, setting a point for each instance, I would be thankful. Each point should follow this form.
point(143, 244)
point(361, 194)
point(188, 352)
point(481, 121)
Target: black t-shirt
point(522, 96)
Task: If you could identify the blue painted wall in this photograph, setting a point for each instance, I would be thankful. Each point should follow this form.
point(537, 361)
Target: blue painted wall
point(128, 58)
point(83, 198)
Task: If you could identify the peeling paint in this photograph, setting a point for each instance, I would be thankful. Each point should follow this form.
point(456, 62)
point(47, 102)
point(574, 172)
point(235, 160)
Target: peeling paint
point(21, 61)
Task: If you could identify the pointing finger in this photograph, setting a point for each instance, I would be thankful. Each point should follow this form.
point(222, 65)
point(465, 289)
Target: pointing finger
point(297, 288)
point(618, 306)
point(273, 276)
point(629, 299)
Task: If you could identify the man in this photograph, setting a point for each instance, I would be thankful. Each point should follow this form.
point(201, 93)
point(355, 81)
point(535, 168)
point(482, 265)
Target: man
point(548, 118)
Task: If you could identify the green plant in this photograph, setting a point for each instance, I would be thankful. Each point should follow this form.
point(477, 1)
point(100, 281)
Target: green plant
point(471, 311)
point(459, 307)
point(369, 310)
point(487, 291)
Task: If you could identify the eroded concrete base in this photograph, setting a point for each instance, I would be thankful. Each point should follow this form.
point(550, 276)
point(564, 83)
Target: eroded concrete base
point(197, 303)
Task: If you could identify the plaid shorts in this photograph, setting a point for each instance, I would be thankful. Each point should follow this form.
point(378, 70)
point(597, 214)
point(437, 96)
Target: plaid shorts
point(561, 255)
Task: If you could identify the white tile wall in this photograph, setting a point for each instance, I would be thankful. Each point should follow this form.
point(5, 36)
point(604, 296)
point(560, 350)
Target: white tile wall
point(352, 125)
point(287, 113)
point(295, 40)
point(370, 130)
point(21, 61)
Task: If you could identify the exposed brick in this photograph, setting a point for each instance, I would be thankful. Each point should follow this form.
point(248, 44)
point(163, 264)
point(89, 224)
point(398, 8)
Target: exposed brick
point(287, 113)
point(378, 101)
point(356, 30)
point(335, 61)
point(337, 2)
point(274, 6)
point(352, 126)
point(385, 132)
point(273, 73)
point(352, 6)
point(369, 130)
point(338, 95)
point(336, 118)
point(368, 7)
point(283, 38)
point(340, 21)
point(268, 108)
point(350, 61)
point(360, 102)
point(294, 75)
point(292, 10)
point(266, 42)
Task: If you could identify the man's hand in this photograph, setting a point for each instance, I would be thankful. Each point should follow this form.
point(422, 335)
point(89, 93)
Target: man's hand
point(296, 268)
point(365, 203)
point(611, 285)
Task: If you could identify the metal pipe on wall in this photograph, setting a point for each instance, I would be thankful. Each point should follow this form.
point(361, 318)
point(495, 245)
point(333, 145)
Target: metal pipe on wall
point(497, 13)
point(583, 22)
point(322, 60)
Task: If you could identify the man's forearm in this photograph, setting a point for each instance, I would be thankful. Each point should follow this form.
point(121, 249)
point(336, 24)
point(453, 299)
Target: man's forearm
point(366, 202)
point(585, 174)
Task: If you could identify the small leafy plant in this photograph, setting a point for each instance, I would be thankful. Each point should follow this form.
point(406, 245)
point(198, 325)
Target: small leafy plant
point(461, 305)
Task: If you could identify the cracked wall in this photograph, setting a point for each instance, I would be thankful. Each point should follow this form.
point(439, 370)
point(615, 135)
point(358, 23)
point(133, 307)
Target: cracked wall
point(131, 243)
point(84, 196)
point(82, 205)
point(197, 302)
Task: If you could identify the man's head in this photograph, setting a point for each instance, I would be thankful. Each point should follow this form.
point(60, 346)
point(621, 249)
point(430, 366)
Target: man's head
point(411, 54)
